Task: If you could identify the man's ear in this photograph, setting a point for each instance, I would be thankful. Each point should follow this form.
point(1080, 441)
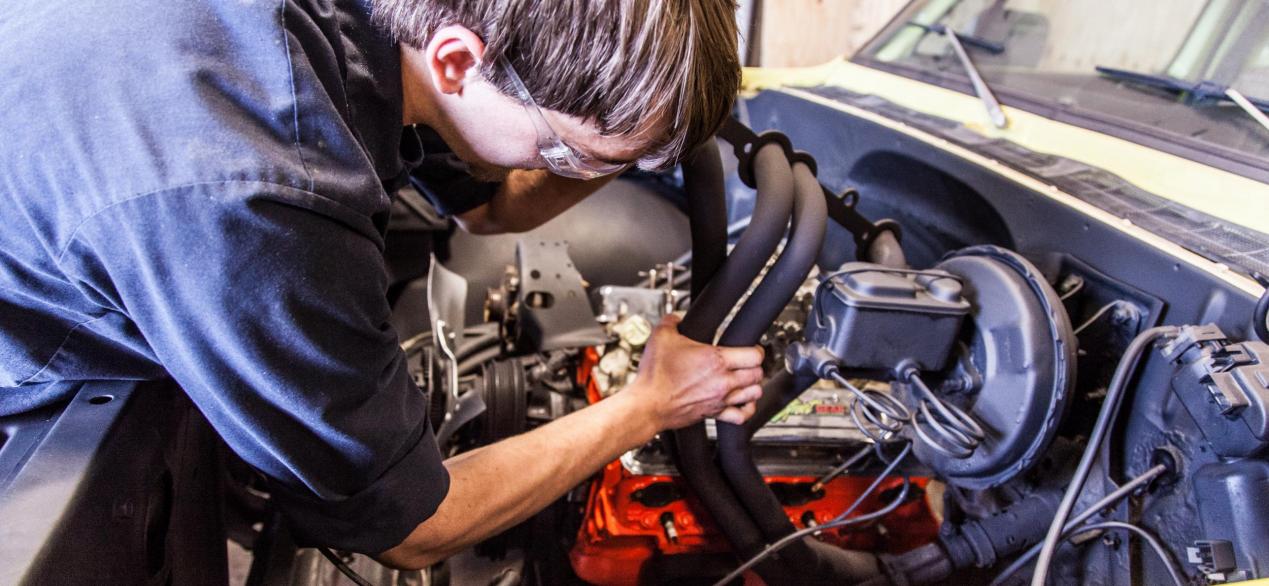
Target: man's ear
point(451, 53)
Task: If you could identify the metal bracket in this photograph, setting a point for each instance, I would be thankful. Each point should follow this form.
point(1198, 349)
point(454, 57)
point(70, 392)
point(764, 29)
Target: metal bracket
point(841, 207)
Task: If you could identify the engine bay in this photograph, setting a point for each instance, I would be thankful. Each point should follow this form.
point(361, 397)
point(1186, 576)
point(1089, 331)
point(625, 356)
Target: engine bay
point(962, 417)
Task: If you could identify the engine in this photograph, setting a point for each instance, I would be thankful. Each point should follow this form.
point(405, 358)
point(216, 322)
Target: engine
point(917, 422)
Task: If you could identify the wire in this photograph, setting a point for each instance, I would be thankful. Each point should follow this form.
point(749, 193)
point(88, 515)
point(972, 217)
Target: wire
point(907, 449)
point(834, 524)
point(343, 567)
point(1106, 502)
point(1105, 418)
point(883, 412)
point(960, 434)
point(1073, 291)
point(1178, 577)
point(1096, 316)
point(838, 471)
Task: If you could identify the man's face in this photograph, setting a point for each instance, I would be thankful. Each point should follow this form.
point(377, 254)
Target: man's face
point(494, 133)
point(489, 130)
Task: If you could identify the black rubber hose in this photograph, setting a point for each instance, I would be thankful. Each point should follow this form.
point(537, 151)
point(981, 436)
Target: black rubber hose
point(1260, 317)
point(782, 281)
point(810, 216)
point(779, 390)
point(771, 213)
point(707, 208)
point(481, 342)
point(690, 445)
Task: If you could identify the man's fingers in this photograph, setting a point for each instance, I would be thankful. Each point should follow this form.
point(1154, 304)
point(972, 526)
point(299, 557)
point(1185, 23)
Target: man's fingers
point(737, 415)
point(742, 378)
point(742, 356)
point(671, 320)
point(748, 394)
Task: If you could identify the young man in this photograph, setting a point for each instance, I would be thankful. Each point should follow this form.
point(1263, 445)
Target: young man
point(200, 189)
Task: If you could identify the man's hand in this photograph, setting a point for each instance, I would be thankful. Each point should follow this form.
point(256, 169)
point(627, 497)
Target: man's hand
point(682, 381)
point(494, 487)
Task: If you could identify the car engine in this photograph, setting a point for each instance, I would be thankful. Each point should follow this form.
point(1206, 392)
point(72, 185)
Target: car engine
point(917, 423)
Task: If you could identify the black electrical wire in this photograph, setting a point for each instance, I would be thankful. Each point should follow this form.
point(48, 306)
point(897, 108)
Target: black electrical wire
point(1105, 503)
point(839, 521)
point(1105, 419)
point(473, 361)
point(478, 343)
point(476, 337)
point(343, 567)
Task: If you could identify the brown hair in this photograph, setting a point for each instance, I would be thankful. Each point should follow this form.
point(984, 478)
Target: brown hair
point(622, 64)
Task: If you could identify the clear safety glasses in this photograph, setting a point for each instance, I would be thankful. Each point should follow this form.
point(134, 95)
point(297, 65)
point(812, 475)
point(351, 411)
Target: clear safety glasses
point(560, 158)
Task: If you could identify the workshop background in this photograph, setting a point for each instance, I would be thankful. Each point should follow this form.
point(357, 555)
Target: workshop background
point(799, 33)
point(1006, 259)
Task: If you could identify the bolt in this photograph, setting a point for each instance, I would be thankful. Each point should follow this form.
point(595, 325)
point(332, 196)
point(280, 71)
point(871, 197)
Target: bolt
point(1124, 314)
point(1110, 540)
point(671, 532)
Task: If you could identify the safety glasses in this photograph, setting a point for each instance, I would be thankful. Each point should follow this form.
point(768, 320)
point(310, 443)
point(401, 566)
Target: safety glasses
point(560, 158)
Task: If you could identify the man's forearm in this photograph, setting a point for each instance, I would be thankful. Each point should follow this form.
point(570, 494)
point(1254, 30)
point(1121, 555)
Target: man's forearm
point(504, 483)
point(526, 200)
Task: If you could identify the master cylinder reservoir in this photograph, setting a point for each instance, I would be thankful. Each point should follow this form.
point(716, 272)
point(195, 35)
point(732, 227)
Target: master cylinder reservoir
point(872, 317)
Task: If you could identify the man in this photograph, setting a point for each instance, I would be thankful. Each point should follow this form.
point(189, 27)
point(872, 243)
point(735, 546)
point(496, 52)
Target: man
point(200, 189)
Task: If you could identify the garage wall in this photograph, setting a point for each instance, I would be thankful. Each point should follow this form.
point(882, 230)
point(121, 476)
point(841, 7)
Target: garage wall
point(796, 33)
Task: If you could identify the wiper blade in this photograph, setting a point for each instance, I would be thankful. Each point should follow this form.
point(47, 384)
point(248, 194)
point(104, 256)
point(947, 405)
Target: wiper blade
point(1196, 92)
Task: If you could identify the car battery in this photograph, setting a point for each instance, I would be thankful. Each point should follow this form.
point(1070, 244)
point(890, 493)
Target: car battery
point(872, 317)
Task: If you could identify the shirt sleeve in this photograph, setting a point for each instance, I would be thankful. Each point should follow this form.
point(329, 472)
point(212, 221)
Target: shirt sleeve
point(267, 305)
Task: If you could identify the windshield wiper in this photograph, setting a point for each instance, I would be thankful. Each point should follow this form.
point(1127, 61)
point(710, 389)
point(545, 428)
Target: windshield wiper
point(958, 42)
point(989, 46)
point(1196, 92)
point(994, 111)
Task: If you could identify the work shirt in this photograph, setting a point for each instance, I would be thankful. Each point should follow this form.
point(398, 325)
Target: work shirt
point(200, 189)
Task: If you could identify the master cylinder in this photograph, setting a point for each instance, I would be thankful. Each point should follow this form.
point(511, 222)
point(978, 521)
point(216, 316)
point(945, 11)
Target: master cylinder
point(873, 317)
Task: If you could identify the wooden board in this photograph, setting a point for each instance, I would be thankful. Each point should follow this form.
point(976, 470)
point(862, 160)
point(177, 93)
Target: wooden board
point(810, 32)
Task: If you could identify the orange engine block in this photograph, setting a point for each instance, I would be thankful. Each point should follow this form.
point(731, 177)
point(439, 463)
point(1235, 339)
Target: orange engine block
point(630, 519)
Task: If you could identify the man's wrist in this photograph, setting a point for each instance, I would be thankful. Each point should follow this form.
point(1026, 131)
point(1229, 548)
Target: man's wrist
point(636, 413)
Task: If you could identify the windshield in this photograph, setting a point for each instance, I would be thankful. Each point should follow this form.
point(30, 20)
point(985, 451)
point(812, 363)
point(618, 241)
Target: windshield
point(1047, 53)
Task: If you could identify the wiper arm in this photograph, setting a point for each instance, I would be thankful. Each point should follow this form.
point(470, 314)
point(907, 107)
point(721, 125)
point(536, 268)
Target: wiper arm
point(958, 42)
point(981, 88)
point(1248, 106)
point(1198, 92)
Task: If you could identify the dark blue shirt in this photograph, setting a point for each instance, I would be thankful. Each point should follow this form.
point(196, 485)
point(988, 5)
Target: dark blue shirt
point(200, 189)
